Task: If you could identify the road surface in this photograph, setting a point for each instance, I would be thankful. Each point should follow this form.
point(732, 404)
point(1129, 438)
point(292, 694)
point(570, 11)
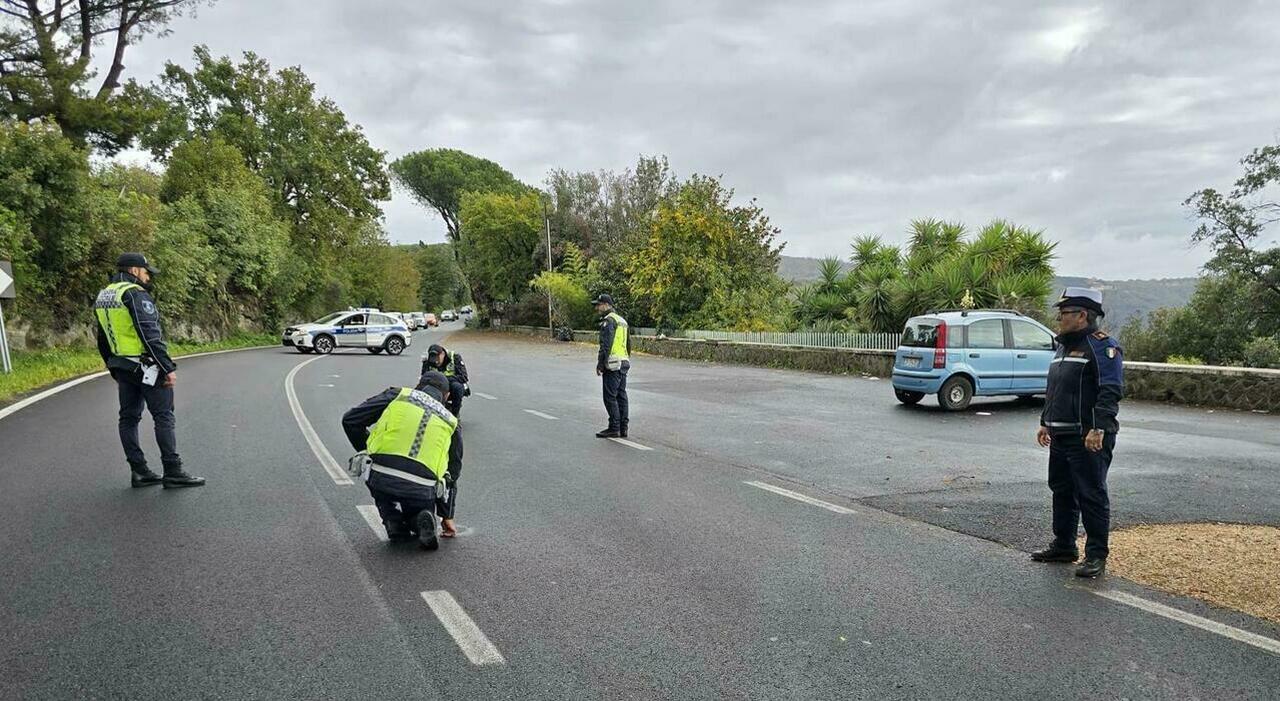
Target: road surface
point(768, 534)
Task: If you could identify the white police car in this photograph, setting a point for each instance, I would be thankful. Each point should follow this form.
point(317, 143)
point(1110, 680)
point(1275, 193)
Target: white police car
point(370, 329)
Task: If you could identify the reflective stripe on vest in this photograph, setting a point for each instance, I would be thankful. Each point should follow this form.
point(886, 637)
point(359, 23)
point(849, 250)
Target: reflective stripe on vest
point(448, 364)
point(116, 321)
point(618, 351)
point(417, 427)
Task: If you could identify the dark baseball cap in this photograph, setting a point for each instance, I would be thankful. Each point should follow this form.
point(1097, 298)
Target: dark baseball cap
point(434, 380)
point(603, 299)
point(136, 260)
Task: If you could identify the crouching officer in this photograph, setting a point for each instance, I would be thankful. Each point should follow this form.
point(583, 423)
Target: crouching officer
point(1079, 426)
point(131, 343)
point(612, 363)
point(416, 449)
point(451, 365)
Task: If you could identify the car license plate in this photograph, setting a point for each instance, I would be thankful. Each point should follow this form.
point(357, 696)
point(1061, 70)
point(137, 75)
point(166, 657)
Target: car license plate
point(911, 362)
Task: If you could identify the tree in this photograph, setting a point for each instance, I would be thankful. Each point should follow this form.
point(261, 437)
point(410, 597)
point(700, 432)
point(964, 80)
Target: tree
point(498, 253)
point(46, 57)
point(707, 262)
point(438, 178)
point(441, 283)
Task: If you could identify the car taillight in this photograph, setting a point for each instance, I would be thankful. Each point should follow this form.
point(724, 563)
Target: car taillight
point(940, 347)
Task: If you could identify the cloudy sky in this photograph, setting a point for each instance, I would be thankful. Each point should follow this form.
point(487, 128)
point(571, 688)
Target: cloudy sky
point(1092, 122)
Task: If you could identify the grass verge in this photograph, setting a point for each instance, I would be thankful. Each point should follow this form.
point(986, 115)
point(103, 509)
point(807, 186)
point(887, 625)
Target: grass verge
point(37, 368)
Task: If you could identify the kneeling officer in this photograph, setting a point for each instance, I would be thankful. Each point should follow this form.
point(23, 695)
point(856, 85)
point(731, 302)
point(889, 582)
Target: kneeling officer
point(416, 450)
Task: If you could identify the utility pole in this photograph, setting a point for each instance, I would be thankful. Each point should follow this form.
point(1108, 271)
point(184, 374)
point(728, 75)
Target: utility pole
point(551, 326)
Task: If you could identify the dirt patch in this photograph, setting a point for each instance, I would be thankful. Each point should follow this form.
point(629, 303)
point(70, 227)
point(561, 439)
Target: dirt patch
point(1229, 565)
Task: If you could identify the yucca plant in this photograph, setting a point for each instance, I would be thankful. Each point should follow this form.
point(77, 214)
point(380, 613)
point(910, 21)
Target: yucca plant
point(875, 297)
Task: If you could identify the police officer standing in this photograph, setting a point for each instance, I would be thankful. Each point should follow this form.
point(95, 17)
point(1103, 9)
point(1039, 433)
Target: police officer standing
point(612, 364)
point(441, 360)
point(132, 346)
point(416, 449)
point(1079, 426)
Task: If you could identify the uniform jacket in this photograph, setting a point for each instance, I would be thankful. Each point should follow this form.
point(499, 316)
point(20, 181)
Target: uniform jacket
point(357, 421)
point(608, 327)
point(146, 318)
point(459, 369)
point(1086, 383)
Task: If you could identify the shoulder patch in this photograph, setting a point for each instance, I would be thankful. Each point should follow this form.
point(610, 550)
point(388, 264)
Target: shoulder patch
point(1111, 351)
point(1100, 335)
point(148, 307)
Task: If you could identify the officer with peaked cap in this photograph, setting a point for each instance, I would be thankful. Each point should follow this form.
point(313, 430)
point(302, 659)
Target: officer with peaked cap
point(1078, 426)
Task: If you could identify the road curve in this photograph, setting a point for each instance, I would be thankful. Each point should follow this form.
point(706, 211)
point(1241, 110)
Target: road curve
point(699, 561)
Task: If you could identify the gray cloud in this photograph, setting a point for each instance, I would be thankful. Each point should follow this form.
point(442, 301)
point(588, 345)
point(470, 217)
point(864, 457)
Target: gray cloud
point(1091, 122)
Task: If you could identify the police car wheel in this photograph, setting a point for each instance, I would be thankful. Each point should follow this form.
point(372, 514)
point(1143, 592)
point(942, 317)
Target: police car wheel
point(323, 345)
point(375, 351)
point(956, 393)
point(395, 346)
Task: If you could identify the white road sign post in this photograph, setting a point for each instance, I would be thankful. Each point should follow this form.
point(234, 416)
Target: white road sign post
point(6, 292)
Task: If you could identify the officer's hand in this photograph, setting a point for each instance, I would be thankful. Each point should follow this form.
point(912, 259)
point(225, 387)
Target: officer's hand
point(170, 380)
point(599, 372)
point(1093, 441)
point(1042, 437)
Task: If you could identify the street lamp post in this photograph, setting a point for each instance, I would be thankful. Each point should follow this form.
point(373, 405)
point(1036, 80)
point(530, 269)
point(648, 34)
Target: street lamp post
point(551, 327)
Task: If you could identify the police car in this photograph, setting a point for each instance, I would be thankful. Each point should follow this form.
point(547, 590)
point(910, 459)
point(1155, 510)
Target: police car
point(366, 328)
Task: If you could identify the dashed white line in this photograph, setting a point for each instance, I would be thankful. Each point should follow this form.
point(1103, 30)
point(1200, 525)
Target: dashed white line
point(630, 444)
point(465, 632)
point(801, 497)
point(326, 385)
point(337, 474)
point(1259, 641)
point(548, 417)
point(374, 519)
point(486, 396)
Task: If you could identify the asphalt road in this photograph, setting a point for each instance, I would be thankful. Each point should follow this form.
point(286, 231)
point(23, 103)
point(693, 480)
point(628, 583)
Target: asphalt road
point(595, 569)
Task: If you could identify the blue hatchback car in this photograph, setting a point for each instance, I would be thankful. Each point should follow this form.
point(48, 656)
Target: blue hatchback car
point(959, 354)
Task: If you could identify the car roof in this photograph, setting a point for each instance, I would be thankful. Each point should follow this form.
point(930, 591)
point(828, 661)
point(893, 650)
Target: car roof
point(967, 315)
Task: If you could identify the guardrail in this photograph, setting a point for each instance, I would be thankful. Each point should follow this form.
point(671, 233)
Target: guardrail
point(805, 339)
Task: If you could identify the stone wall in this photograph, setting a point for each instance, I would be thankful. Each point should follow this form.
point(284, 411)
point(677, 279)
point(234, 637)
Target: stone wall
point(1235, 388)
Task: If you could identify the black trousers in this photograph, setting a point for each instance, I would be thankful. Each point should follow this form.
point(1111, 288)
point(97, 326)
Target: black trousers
point(399, 501)
point(615, 397)
point(455, 397)
point(1078, 479)
point(159, 402)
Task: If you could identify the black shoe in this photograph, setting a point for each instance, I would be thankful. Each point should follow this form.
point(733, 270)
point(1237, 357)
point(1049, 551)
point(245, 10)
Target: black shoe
point(1053, 553)
point(144, 478)
point(1092, 567)
point(609, 433)
point(427, 531)
point(398, 532)
point(622, 433)
point(178, 479)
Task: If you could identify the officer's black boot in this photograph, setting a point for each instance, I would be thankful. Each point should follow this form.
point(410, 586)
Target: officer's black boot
point(1092, 567)
point(1055, 553)
point(622, 431)
point(175, 477)
point(398, 531)
point(427, 530)
point(142, 476)
point(608, 433)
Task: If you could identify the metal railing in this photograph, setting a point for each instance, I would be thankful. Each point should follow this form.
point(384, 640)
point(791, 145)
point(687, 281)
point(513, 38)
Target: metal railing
point(809, 339)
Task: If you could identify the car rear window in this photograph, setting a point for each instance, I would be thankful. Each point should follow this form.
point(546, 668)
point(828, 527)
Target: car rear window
point(921, 332)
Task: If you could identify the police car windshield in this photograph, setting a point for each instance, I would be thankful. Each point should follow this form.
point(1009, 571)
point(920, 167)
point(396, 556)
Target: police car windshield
point(329, 318)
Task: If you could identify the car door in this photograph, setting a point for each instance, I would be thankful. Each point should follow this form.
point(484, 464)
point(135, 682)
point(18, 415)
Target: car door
point(377, 329)
point(1032, 352)
point(351, 331)
point(988, 354)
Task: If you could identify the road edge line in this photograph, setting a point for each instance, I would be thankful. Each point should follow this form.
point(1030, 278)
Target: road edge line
point(630, 444)
point(374, 519)
point(473, 642)
point(1261, 642)
point(45, 394)
point(836, 508)
point(542, 415)
point(336, 473)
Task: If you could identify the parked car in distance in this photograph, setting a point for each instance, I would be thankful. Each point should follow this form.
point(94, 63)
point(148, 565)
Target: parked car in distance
point(366, 328)
point(431, 319)
point(959, 354)
point(466, 310)
point(448, 315)
point(417, 320)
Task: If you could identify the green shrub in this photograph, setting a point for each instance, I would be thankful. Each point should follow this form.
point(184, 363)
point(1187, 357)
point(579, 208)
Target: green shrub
point(1262, 352)
point(1184, 360)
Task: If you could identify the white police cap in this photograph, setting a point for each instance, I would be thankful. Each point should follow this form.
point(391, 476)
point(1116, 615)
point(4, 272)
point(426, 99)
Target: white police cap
point(1085, 297)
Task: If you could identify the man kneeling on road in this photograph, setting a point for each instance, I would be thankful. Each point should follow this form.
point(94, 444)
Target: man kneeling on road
point(416, 449)
point(441, 360)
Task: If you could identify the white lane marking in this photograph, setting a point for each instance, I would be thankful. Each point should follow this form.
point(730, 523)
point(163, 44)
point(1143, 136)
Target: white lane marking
point(801, 497)
point(374, 519)
point(630, 444)
point(325, 385)
point(548, 417)
point(465, 632)
point(1259, 641)
point(482, 394)
point(17, 406)
point(337, 474)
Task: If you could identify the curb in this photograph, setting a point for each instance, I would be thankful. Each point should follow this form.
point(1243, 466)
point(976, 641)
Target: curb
point(24, 403)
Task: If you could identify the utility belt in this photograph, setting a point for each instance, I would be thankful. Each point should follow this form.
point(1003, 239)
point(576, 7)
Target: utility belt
point(441, 485)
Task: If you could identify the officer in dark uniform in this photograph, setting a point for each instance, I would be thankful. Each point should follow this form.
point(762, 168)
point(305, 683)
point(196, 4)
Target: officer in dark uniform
point(441, 360)
point(612, 364)
point(131, 342)
point(1079, 426)
point(416, 448)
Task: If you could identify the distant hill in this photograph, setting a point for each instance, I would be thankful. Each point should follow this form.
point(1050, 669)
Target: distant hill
point(1123, 299)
